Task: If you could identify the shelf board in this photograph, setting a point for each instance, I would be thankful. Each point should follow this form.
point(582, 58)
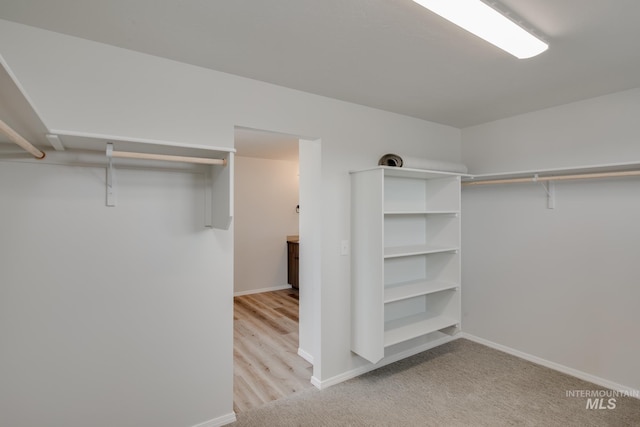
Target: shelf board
point(401, 172)
point(419, 173)
point(402, 251)
point(425, 212)
point(397, 331)
point(405, 290)
point(98, 142)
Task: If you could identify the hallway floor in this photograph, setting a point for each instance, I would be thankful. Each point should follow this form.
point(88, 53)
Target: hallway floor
point(266, 362)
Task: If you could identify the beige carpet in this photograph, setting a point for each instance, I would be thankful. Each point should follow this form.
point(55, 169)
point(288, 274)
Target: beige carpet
point(461, 383)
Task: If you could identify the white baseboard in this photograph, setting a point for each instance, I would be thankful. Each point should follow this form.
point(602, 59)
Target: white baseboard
point(259, 291)
point(316, 382)
point(305, 355)
point(220, 421)
point(322, 384)
point(551, 365)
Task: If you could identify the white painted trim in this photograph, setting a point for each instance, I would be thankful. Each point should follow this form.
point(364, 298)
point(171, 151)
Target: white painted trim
point(537, 360)
point(218, 422)
point(386, 361)
point(259, 291)
point(310, 229)
point(551, 365)
point(305, 355)
point(316, 382)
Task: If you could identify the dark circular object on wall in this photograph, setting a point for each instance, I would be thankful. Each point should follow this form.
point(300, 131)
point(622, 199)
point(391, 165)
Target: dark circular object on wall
point(390, 160)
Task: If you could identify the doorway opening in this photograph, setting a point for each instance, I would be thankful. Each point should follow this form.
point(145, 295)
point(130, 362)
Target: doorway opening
point(273, 320)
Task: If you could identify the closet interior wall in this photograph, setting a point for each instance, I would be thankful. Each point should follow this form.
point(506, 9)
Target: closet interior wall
point(559, 285)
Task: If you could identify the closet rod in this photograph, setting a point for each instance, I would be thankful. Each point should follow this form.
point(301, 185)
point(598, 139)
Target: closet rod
point(537, 178)
point(19, 140)
point(165, 157)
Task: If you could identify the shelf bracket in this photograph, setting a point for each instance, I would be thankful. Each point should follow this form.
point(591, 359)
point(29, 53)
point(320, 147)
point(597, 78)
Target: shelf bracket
point(208, 198)
point(550, 189)
point(551, 195)
point(110, 187)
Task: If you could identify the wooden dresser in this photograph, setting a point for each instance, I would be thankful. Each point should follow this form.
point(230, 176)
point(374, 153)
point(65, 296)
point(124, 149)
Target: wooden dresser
point(292, 263)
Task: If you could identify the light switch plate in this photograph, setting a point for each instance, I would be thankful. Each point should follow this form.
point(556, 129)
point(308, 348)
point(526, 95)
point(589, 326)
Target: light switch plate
point(344, 247)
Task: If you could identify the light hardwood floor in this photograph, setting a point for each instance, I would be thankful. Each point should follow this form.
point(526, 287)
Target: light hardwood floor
point(265, 347)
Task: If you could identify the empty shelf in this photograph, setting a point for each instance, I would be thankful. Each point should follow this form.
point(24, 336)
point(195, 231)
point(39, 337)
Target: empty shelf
point(406, 328)
point(400, 251)
point(404, 290)
point(422, 212)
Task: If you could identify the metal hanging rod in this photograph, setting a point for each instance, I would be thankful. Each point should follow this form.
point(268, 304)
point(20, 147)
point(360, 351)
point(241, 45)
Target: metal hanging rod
point(16, 138)
point(537, 178)
point(165, 157)
point(111, 153)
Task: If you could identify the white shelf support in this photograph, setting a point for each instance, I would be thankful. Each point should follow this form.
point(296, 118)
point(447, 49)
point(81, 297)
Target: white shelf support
point(110, 187)
point(550, 189)
point(208, 197)
point(55, 142)
point(551, 195)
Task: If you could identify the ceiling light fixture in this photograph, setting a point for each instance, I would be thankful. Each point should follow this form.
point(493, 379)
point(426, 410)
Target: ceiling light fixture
point(487, 23)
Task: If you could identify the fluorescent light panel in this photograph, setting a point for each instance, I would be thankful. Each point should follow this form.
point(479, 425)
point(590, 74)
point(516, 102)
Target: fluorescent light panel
point(487, 23)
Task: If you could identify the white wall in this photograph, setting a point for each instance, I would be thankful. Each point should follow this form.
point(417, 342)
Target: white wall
point(561, 284)
point(266, 195)
point(83, 86)
point(595, 131)
point(104, 311)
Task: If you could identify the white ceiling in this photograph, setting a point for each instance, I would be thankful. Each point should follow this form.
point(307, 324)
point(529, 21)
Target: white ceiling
point(266, 145)
point(389, 54)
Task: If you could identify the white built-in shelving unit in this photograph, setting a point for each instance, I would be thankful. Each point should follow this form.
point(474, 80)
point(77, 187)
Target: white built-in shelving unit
point(405, 258)
point(25, 138)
